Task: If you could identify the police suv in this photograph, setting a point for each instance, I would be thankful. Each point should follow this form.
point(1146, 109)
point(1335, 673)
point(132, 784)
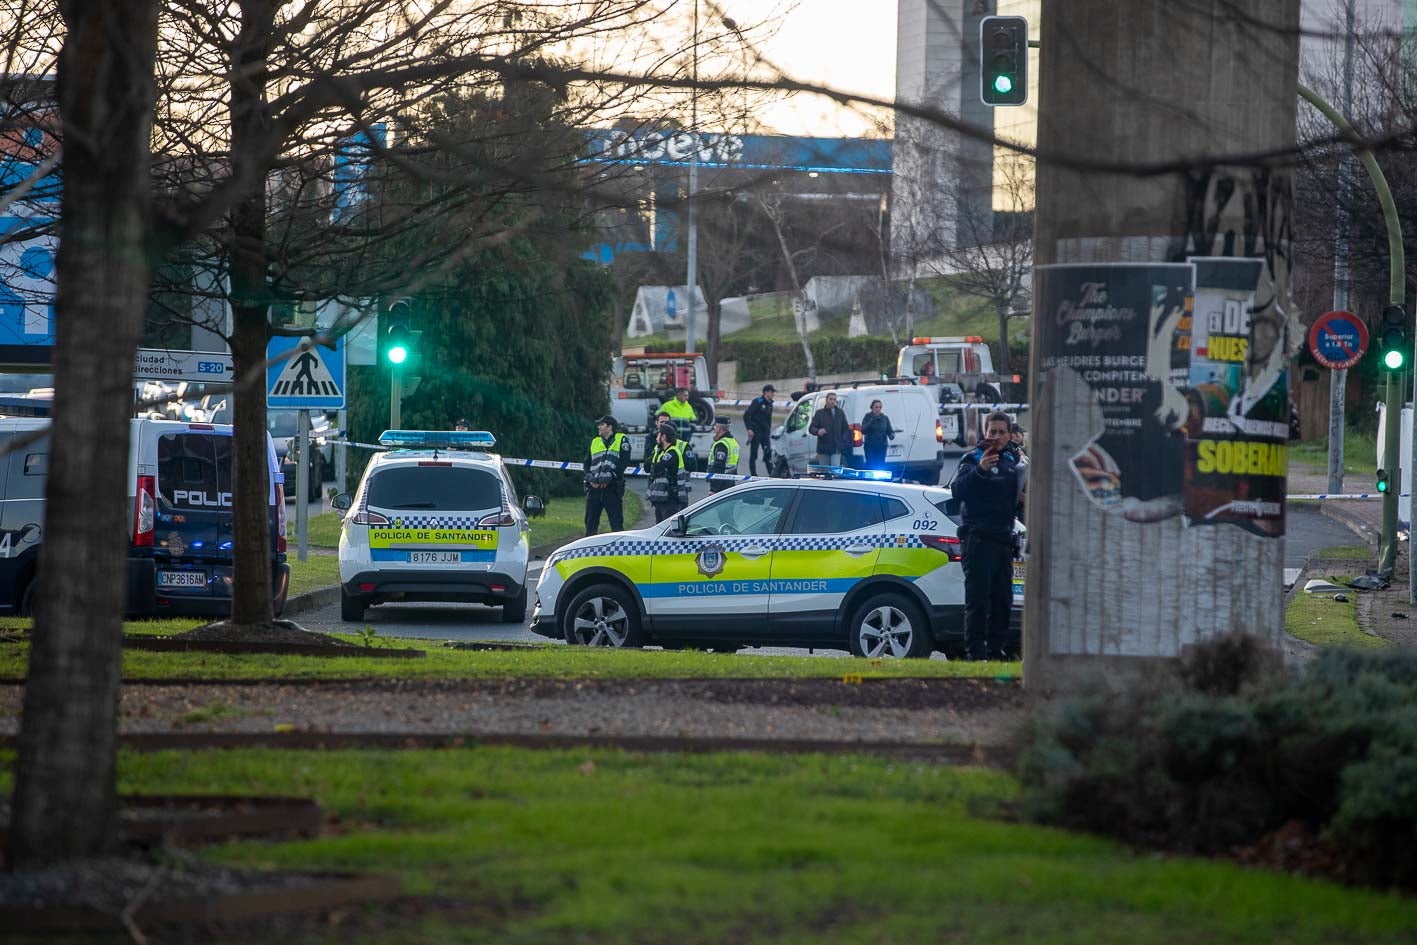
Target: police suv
point(854, 562)
point(434, 519)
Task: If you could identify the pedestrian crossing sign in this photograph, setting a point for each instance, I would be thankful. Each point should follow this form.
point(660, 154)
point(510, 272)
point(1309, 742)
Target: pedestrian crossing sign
point(303, 375)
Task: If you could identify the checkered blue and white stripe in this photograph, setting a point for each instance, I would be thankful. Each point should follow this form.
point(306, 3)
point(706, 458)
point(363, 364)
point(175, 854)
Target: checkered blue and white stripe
point(430, 521)
point(633, 548)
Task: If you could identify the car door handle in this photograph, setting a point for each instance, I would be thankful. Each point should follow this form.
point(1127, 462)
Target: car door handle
point(858, 549)
point(754, 551)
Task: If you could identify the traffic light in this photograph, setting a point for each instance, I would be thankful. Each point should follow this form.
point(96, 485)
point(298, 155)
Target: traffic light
point(1003, 60)
point(1382, 480)
point(1393, 342)
point(399, 338)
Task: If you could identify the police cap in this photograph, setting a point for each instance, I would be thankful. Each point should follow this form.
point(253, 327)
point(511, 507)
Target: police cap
point(608, 419)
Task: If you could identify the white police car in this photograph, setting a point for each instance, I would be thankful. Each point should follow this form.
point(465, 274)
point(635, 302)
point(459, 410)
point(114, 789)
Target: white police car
point(852, 562)
point(434, 519)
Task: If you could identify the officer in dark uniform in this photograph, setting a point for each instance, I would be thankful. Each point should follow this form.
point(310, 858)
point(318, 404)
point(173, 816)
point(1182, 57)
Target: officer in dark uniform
point(723, 456)
point(987, 482)
point(652, 437)
point(604, 477)
point(668, 477)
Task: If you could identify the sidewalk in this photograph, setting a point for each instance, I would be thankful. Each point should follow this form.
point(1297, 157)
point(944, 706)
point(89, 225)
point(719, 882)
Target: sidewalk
point(1363, 516)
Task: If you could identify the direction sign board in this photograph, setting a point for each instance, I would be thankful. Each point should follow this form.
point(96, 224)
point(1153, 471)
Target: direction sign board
point(161, 364)
point(302, 375)
point(1337, 340)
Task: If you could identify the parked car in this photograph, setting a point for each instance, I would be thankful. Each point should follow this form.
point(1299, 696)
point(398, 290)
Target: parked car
point(280, 424)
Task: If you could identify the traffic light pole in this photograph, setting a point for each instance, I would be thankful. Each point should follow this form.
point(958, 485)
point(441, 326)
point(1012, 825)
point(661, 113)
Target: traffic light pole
point(396, 397)
point(1393, 396)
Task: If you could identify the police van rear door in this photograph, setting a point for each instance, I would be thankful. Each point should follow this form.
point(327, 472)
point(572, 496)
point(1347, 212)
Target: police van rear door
point(193, 517)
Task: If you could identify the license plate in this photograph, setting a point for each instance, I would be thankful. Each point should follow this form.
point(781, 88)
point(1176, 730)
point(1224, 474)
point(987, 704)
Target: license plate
point(893, 451)
point(182, 579)
point(949, 427)
point(435, 557)
point(1020, 568)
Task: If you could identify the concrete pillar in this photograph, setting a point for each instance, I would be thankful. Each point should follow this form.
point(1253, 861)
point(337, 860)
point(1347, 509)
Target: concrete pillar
point(1125, 567)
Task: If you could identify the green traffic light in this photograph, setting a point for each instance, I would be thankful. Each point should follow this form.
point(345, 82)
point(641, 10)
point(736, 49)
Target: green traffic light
point(1393, 360)
point(397, 354)
point(1382, 485)
point(1003, 84)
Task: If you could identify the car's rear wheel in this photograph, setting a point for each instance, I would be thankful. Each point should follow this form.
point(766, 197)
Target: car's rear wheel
point(890, 626)
point(514, 611)
point(351, 607)
point(603, 615)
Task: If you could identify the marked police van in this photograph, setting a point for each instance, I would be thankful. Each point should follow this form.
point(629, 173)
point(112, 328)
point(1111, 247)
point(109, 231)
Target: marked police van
point(851, 563)
point(434, 519)
point(916, 453)
point(179, 514)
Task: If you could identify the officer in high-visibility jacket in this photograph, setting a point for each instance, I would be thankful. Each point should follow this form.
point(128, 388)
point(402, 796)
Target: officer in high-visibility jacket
point(681, 414)
point(669, 476)
point(723, 456)
point(605, 464)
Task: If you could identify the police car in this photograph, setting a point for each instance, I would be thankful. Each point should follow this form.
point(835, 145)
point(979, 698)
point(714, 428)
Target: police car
point(434, 519)
point(852, 562)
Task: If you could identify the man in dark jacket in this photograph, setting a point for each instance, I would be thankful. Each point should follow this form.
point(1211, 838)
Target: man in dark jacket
point(604, 464)
point(987, 482)
point(668, 477)
point(758, 419)
point(832, 431)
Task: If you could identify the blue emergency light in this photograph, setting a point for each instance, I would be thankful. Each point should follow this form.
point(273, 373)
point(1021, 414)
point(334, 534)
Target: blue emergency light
point(846, 472)
point(437, 439)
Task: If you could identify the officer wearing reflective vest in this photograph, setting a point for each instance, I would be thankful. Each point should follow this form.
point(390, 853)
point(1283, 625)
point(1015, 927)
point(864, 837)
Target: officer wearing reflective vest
point(723, 456)
point(681, 414)
point(604, 477)
point(668, 476)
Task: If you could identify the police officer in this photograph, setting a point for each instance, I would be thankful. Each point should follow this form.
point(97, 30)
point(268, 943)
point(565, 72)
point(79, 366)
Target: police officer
point(652, 437)
point(758, 419)
point(723, 457)
point(681, 414)
point(987, 482)
point(668, 476)
point(604, 478)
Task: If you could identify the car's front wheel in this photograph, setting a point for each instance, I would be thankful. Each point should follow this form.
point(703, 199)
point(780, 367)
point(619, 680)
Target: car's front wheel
point(351, 607)
point(889, 625)
point(603, 615)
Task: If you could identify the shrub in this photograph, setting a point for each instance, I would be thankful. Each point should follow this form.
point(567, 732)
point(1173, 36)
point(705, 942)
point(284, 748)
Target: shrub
point(1223, 749)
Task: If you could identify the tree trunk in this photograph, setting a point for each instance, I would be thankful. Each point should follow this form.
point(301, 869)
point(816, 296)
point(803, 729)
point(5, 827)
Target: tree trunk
point(250, 303)
point(65, 797)
point(714, 336)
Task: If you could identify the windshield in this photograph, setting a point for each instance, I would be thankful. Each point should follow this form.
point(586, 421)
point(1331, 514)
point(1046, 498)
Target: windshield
point(435, 488)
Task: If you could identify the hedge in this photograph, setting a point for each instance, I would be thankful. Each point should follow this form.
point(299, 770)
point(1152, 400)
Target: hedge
point(769, 360)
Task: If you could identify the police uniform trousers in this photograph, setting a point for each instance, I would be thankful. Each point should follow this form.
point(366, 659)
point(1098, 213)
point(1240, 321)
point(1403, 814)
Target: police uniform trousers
point(612, 501)
point(988, 592)
point(664, 510)
point(760, 441)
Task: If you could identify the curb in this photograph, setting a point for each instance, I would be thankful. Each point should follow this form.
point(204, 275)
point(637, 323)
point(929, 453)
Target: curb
point(311, 600)
point(1353, 521)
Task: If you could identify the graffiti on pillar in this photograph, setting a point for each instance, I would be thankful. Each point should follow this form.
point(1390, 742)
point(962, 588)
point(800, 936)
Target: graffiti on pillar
point(1124, 329)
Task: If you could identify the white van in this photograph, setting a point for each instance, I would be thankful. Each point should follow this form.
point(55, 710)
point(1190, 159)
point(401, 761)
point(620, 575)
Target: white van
point(916, 453)
point(179, 514)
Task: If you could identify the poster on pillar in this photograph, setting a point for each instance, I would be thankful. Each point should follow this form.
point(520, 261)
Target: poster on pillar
point(1123, 331)
point(1237, 429)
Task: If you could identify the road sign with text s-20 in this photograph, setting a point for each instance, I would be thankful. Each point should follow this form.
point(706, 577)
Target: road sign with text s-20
point(1337, 340)
point(302, 375)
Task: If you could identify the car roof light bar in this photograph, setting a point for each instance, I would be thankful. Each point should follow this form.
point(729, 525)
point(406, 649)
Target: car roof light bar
point(846, 472)
point(438, 439)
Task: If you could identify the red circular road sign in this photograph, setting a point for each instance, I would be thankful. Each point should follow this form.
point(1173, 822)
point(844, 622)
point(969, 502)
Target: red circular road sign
point(1338, 339)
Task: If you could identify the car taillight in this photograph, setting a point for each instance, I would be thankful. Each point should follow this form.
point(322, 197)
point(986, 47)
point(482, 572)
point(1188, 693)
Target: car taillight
point(503, 517)
point(280, 517)
point(856, 438)
point(950, 546)
point(939, 432)
point(144, 511)
point(365, 517)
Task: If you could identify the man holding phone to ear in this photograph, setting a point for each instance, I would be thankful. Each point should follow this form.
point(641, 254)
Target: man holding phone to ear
point(987, 482)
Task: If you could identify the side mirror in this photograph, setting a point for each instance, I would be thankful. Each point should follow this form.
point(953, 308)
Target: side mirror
point(679, 526)
point(533, 507)
point(341, 502)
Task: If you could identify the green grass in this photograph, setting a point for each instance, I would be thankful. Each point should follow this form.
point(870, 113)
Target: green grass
point(317, 571)
point(1346, 553)
point(535, 847)
point(565, 520)
point(1360, 456)
point(322, 530)
point(1323, 621)
point(548, 661)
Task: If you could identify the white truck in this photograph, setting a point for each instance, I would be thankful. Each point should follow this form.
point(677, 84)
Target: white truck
point(639, 383)
point(960, 368)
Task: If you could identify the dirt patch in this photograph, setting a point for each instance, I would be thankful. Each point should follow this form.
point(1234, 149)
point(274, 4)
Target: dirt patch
point(277, 631)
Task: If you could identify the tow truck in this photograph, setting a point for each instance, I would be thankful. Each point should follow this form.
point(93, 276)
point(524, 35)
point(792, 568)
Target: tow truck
point(640, 382)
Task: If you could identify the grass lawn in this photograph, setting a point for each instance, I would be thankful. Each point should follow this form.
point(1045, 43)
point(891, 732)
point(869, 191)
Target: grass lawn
point(607, 847)
point(1360, 457)
point(564, 520)
point(549, 661)
point(1323, 621)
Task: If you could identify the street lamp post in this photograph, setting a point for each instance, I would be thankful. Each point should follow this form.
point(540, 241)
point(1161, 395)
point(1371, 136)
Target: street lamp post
point(693, 187)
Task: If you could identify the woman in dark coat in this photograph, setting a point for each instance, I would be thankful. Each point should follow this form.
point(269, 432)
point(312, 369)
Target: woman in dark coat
point(875, 431)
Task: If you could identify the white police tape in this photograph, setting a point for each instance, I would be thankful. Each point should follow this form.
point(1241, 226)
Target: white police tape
point(1346, 495)
point(953, 406)
point(568, 467)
